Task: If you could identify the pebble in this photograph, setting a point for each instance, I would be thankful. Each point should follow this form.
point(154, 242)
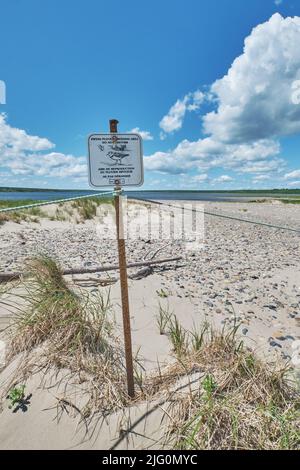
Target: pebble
point(274, 344)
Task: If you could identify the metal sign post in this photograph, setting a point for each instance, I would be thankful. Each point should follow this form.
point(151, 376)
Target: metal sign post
point(116, 160)
point(113, 123)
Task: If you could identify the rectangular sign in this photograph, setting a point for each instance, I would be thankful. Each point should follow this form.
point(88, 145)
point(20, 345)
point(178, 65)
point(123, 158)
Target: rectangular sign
point(115, 160)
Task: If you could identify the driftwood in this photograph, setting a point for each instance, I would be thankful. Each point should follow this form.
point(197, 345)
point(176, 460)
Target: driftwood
point(94, 281)
point(5, 277)
point(141, 273)
point(147, 269)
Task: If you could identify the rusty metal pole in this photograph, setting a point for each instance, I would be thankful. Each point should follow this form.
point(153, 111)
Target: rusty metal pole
point(113, 126)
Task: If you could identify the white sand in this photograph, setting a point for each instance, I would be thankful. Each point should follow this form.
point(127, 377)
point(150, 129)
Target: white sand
point(244, 273)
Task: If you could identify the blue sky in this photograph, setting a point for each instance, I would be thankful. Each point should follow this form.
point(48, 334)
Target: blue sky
point(215, 112)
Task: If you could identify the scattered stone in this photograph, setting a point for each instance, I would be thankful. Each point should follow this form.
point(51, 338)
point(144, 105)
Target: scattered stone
point(271, 307)
point(274, 344)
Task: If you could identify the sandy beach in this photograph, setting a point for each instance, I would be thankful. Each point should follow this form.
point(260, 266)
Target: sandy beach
point(243, 274)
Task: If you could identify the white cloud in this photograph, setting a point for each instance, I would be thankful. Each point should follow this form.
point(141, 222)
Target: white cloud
point(255, 107)
point(200, 178)
point(146, 135)
point(292, 174)
point(294, 184)
point(223, 179)
point(13, 140)
point(208, 153)
point(173, 120)
point(261, 178)
point(275, 165)
point(23, 154)
point(254, 97)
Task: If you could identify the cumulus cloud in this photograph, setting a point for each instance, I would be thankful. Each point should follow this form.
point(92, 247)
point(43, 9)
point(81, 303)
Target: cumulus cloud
point(13, 140)
point(200, 178)
point(208, 153)
point(173, 120)
point(259, 178)
point(223, 179)
point(146, 135)
point(254, 97)
point(27, 155)
point(255, 106)
point(292, 174)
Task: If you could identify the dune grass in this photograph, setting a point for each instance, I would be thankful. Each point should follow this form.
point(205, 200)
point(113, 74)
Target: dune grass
point(232, 400)
point(239, 402)
point(87, 208)
point(30, 215)
point(81, 210)
point(17, 202)
point(72, 331)
point(290, 201)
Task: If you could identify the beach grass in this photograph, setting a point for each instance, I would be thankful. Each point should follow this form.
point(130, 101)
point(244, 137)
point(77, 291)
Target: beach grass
point(232, 399)
point(290, 201)
point(87, 208)
point(239, 402)
point(72, 331)
point(163, 318)
point(32, 214)
point(81, 210)
point(17, 202)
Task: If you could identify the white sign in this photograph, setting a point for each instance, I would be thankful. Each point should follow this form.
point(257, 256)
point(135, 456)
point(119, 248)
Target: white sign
point(115, 160)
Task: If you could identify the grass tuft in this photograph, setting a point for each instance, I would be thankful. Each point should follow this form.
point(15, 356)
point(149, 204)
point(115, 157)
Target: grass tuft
point(178, 336)
point(163, 319)
point(239, 403)
point(72, 331)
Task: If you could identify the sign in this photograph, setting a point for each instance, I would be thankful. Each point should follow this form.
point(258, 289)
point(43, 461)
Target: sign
point(115, 160)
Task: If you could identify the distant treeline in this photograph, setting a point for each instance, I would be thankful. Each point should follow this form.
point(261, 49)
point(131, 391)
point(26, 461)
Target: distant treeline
point(235, 191)
point(27, 190)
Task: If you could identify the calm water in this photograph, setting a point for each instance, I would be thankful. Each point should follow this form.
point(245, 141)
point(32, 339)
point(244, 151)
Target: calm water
point(171, 195)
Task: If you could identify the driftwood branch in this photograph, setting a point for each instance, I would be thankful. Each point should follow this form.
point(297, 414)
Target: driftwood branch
point(5, 277)
point(94, 281)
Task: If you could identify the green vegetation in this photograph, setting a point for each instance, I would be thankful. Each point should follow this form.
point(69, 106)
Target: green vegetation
point(87, 208)
point(216, 393)
point(178, 336)
point(81, 210)
point(163, 319)
point(162, 293)
point(257, 192)
point(16, 396)
point(30, 215)
point(20, 202)
point(198, 337)
point(275, 191)
point(239, 403)
point(4, 189)
point(290, 201)
point(72, 331)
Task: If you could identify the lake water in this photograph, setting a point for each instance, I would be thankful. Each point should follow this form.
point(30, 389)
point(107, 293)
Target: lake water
point(170, 195)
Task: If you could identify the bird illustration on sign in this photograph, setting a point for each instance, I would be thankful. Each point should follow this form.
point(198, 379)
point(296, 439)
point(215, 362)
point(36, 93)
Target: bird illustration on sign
point(117, 154)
